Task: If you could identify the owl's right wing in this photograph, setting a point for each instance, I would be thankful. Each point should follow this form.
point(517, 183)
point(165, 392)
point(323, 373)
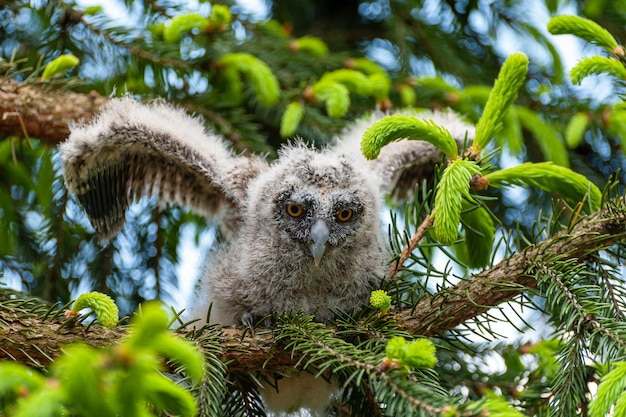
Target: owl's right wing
point(132, 149)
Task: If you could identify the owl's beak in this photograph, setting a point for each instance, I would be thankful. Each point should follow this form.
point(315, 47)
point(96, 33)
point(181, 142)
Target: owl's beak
point(319, 234)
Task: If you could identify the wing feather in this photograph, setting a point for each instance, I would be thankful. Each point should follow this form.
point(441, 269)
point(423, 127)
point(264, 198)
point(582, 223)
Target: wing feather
point(131, 150)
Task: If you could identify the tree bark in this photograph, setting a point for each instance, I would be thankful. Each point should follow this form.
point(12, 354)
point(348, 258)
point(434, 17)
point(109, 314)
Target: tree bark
point(32, 110)
point(510, 278)
point(37, 342)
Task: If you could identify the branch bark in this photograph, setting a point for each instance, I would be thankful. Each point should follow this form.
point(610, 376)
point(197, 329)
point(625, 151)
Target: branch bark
point(36, 342)
point(30, 110)
point(510, 278)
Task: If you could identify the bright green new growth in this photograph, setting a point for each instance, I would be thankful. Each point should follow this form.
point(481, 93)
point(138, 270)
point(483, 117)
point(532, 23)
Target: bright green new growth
point(261, 78)
point(596, 65)
point(181, 24)
point(365, 65)
point(124, 380)
point(570, 185)
point(92, 10)
point(479, 235)
point(452, 188)
point(616, 124)
point(407, 95)
point(291, 119)
point(417, 354)
point(610, 392)
point(380, 300)
point(380, 84)
point(575, 129)
point(399, 126)
point(59, 66)
point(334, 88)
point(150, 331)
point(355, 81)
point(583, 28)
point(335, 95)
point(503, 94)
point(311, 44)
point(493, 405)
point(15, 377)
point(551, 145)
point(101, 304)
point(220, 16)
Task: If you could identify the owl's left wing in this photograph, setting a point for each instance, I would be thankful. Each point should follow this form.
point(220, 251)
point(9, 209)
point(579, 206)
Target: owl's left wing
point(133, 149)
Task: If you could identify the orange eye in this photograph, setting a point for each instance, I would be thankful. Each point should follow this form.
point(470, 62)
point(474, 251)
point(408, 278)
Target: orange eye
point(294, 210)
point(344, 214)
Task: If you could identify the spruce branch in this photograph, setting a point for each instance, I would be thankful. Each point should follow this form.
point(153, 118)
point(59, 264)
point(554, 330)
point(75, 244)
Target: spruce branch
point(43, 114)
point(30, 339)
point(411, 399)
point(510, 78)
point(585, 29)
point(569, 383)
point(596, 65)
point(130, 48)
point(512, 277)
point(613, 293)
point(318, 345)
point(586, 319)
point(33, 110)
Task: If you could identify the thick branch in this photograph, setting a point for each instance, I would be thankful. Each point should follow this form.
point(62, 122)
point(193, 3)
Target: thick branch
point(33, 111)
point(37, 342)
point(511, 277)
point(29, 110)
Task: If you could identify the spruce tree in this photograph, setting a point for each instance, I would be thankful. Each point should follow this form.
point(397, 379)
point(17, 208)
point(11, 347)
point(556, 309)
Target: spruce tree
point(473, 262)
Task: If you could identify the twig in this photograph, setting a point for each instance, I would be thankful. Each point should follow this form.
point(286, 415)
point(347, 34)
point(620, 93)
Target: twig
point(410, 247)
point(5, 116)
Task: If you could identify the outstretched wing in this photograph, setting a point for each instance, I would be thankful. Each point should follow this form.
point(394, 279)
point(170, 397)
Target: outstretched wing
point(403, 164)
point(133, 149)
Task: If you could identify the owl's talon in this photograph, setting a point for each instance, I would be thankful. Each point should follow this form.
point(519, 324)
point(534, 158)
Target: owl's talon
point(248, 320)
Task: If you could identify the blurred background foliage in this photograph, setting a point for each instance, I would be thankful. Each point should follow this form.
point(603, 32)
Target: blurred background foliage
point(262, 71)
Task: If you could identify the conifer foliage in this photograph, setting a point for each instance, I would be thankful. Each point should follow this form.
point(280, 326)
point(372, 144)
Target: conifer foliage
point(522, 231)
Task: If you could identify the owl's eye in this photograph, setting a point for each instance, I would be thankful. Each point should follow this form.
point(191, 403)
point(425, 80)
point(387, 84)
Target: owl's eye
point(344, 214)
point(294, 210)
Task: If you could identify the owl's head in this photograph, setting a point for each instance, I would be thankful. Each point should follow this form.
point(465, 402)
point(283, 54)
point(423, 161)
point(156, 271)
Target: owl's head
point(316, 200)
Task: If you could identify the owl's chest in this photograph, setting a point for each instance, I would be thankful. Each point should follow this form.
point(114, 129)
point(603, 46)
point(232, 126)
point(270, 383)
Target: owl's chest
point(275, 276)
point(290, 287)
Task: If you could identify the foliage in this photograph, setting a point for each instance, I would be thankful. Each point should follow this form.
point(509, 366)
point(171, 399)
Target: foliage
point(124, 380)
point(101, 304)
point(457, 177)
point(419, 353)
point(380, 300)
point(504, 93)
point(398, 126)
point(610, 393)
point(309, 71)
point(59, 66)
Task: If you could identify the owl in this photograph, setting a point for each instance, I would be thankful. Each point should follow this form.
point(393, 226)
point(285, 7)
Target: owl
point(302, 232)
